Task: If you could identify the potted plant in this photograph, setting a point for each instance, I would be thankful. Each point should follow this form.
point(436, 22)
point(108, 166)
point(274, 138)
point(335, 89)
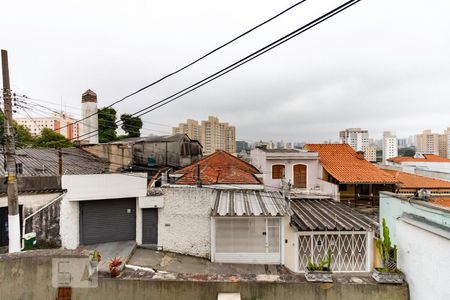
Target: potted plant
point(94, 257)
point(320, 271)
point(114, 264)
point(388, 273)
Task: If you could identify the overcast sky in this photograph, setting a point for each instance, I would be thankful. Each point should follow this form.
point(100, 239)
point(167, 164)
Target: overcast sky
point(380, 65)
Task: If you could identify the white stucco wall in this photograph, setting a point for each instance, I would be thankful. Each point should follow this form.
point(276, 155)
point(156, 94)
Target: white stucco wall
point(410, 166)
point(69, 224)
point(392, 207)
point(433, 174)
point(423, 257)
point(184, 223)
point(138, 223)
point(264, 161)
point(291, 247)
point(97, 187)
point(104, 186)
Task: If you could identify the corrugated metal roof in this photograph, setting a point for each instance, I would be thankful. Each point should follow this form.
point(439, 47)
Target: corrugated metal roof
point(248, 203)
point(45, 162)
point(322, 215)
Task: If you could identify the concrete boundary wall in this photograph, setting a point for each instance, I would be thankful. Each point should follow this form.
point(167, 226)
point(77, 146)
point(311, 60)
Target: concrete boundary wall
point(28, 276)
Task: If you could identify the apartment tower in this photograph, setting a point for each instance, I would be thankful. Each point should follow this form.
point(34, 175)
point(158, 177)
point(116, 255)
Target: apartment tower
point(212, 134)
point(357, 138)
point(390, 146)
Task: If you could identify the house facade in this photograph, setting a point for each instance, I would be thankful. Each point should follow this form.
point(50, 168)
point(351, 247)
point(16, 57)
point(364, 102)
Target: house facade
point(358, 181)
point(101, 208)
point(300, 168)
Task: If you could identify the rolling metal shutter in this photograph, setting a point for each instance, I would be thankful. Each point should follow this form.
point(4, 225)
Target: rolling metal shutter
point(150, 226)
point(103, 221)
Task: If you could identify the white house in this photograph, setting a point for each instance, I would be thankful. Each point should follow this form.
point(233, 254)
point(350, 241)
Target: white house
point(421, 231)
point(99, 208)
point(300, 168)
point(421, 161)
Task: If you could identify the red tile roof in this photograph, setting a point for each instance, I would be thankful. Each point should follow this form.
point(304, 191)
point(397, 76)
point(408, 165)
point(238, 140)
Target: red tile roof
point(427, 158)
point(347, 166)
point(408, 180)
point(219, 167)
point(444, 202)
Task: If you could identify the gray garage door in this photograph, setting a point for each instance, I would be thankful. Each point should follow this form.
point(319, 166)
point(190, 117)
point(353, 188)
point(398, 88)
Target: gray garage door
point(103, 221)
point(150, 226)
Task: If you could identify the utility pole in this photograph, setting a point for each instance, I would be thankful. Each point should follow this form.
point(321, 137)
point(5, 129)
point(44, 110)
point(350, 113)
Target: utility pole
point(10, 152)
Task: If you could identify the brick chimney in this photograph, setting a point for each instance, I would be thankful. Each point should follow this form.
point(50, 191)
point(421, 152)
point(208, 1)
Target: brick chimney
point(89, 132)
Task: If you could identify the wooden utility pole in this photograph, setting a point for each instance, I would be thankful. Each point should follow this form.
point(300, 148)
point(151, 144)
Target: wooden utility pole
point(10, 157)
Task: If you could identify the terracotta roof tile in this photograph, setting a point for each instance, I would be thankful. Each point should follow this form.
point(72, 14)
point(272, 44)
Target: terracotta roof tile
point(427, 158)
point(219, 167)
point(408, 180)
point(346, 166)
point(444, 202)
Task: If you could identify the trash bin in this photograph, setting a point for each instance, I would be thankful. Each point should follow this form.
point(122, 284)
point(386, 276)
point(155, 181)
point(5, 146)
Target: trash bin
point(29, 240)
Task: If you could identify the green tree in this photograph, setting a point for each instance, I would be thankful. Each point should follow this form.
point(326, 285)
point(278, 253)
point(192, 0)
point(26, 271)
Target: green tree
point(51, 139)
point(23, 136)
point(407, 151)
point(107, 125)
point(131, 125)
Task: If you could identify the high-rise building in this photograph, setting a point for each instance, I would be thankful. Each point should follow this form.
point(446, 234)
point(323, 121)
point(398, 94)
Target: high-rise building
point(434, 143)
point(390, 146)
point(357, 138)
point(444, 144)
point(70, 129)
point(402, 143)
point(191, 128)
point(280, 144)
point(427, 142)
point(411, 141)
point(242, 146)
point(371, 153)
point(212, 134)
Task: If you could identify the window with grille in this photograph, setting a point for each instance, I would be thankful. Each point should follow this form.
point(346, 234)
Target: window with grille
point(277, 171)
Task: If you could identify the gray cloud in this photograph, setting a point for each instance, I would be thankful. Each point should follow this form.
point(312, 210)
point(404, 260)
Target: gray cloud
point(378, 65)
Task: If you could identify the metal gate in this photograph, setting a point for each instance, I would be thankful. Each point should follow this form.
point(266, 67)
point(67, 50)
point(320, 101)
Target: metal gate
point(350, 250)
point(150, 226)
point(103, 221)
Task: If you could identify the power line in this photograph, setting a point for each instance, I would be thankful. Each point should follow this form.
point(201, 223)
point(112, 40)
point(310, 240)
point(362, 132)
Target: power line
point(200, 58)
point(242, 61)
point(39, 110)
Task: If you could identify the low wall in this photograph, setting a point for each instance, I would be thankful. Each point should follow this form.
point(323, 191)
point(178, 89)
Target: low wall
point(28, 276)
